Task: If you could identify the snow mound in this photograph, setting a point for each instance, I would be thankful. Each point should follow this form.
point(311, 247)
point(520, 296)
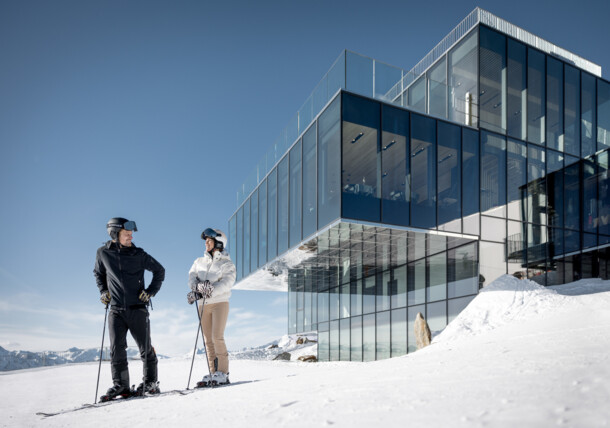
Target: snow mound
point(287, 343)
point(506, 300)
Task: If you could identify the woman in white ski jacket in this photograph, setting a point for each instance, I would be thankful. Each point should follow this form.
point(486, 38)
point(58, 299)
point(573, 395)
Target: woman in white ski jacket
point(211, 278)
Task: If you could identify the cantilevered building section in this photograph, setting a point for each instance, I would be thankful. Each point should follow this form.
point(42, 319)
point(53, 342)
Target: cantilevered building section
point(394, 192)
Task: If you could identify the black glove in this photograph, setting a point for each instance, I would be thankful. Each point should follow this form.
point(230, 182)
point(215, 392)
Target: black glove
point(205, 288)
point(144, 296)
point(105, 297)
point(193, 296)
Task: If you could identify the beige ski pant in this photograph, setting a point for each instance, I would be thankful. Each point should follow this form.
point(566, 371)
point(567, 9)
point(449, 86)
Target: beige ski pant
point(213, 321)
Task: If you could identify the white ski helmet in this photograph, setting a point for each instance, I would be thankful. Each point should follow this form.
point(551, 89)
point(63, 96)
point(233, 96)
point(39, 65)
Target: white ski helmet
point(220, 239)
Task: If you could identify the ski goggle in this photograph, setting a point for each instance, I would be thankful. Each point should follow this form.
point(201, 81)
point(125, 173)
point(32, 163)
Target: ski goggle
point(128, 225)
point(208, 233)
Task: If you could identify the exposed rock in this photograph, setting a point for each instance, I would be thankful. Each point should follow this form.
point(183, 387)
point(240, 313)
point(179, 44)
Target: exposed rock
point(273, 346)
point(308, 358)
point(422, 331)
point(283, 356)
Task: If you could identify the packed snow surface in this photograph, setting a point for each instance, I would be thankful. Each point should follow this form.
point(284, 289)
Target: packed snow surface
point(518, 355)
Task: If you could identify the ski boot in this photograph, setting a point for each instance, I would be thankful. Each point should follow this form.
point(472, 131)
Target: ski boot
point(147, 388)
point(116, 391)
point(206, 381)
point(220, 378)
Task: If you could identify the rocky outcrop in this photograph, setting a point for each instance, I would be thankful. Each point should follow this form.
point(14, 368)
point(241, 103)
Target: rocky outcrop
point(422, 332)
point(284, 356)
point(308, 358)
point(303, 340)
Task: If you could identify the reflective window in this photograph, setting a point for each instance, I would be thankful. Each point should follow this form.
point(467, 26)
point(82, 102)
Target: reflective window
point(239, 261)
point(492, 83)
point(456, 306)
point(323, 342)
point(232, 236)
point(588, 116)
point(344, 339)
point(437, 274)
point(470, 172)
point(383, 291)
point(603, 193)
point(295, 194)
point(399, 287)
point(493, 174)
point(516, 120)
point(462, 271)
point(254, 231)
point(262, 223)
point(490, 262)
point(516, 177)
point(423, 168)
point(493, 229)
point(333, 303)
point(416, 282)
point(334, 341)
point(572, 110)
point(536, 185)
point(436, 316)
point(282, 206)
point(368, 295)
point(449, 174)
point(246, 259)
point(329, 164)
point(344, 301)
point(356, 338)
point(571, 198)
point(395, 166)
point(535, 96)
point(383, 335)
point(272, 215)
point(437, 89)
point(554, 188)
point(603, 114)
point(463, 81)
point(554, 103)
point(323, 302)
point(537, 244)
point(356, 297)
point(589, 197)
point(368, 337)
point(399, 332)
point(360, 76)
point(417, 95)
point(360, 190)
point(309, 182)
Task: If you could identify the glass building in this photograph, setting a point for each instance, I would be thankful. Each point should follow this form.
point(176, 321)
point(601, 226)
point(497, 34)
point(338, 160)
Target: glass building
point(394, 192)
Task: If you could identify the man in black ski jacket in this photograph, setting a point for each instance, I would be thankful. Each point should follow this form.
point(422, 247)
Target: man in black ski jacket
point(119, 274)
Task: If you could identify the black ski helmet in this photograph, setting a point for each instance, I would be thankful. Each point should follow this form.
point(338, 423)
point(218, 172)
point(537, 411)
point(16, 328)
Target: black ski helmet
point(220, 239)
point(115, 224)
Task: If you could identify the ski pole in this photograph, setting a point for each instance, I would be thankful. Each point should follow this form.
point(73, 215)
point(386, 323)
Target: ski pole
point(194, 349)
point(101, 354)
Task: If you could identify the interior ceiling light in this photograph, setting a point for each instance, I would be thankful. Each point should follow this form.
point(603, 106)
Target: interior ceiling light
point(359, 136)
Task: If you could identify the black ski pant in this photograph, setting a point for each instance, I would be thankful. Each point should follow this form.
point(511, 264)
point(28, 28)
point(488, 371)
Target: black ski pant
point(136, 321)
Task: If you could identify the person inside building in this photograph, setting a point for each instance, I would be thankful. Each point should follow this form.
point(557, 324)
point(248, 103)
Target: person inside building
point(119, 274)
point(210, 279)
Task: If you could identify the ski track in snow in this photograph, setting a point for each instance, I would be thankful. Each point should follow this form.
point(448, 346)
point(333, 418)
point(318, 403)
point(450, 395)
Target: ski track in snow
point(518, 355)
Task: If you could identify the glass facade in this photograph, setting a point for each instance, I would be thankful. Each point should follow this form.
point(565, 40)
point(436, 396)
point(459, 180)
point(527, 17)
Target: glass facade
point(494, 160)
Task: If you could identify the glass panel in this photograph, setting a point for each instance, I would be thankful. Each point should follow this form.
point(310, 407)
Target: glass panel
point(437, 274)
point(282, 206)
point(333, 303)
point(537, 244)
point(412, 314)
point(572, 110)
point(417, 95)
point(254, 231)
point(334, 341)
point(383, 292)
point(329, 164)
point(449, 173)
point(437, 89)
point(309, 182)
point(554, 103)
point(589, 207)
point(359, 74)
point(368, 337)
point(493, 174)
point(423, 167)
point(368, 295)
point(399, 287)
point(395, 166)
point(323, 342)
point(399, 332)
point(356, 297)
point(262, 223)
point(239, 253)
point(604, 192)
point(554, 188)
point(492, 69)
point(470, 172)
point(493, 229)
point(437, 317)
point(292, 309)
point(323, 303)
point(344, 339)
point(491, 262)
point(233, 235)
point(516, 177)
point(588, 117)
point(463, 81)
point(535, 97)
point(603, 114)
point(463, 271)
point(416, 282)
point(295, 194)
point(383, 335)
point(361, 159)
point(571, 198)
point(516, 93)
point(536, 185)
point(345, 301)
point(386, 77)
point(356, 339)
point(272, 214)
point(336, 76)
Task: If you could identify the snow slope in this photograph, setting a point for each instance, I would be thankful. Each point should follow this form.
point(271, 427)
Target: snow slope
point(519, 355)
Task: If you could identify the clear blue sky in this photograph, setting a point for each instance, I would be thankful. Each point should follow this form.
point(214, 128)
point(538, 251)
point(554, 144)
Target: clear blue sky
point(157, 111)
